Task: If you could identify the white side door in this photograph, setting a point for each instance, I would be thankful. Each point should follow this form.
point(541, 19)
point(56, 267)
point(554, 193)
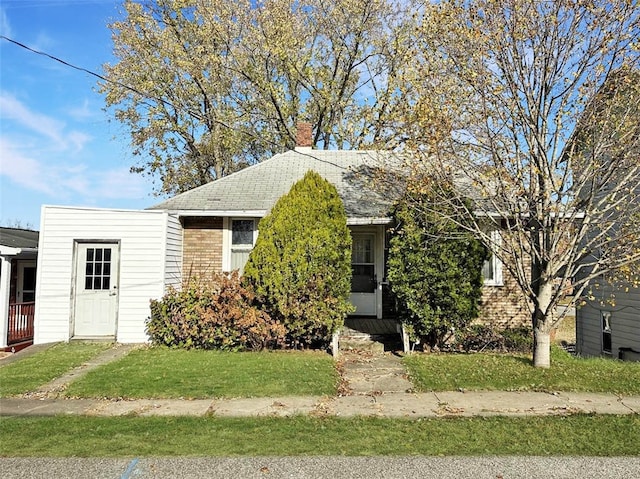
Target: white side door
point(96, 289)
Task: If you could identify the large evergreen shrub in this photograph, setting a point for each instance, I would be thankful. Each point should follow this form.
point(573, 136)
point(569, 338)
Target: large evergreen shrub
point(435, 270)
point(300, 267)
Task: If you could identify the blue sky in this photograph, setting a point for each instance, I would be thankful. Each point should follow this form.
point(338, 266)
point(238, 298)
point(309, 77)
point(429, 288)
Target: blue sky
point(57, 144)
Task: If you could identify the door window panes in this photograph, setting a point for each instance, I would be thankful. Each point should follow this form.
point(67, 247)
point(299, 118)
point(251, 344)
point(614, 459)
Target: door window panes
point(98, 269)
point(363, 279)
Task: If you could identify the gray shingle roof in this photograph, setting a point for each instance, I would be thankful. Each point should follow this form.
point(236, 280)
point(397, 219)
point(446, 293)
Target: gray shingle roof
point(258, 187)
point(18, 238)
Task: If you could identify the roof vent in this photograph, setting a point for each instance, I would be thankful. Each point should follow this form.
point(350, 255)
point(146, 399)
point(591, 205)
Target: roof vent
point(303, 136)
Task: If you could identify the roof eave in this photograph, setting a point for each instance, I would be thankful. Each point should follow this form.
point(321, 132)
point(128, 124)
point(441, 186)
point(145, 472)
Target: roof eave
point(364, 221)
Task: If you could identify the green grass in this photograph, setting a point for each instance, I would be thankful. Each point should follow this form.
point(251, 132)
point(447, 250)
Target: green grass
point(32, 371)
point(507, 372)
point(186, 436)
point(160, 372)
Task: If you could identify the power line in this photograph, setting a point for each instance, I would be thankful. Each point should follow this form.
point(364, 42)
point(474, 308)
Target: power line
point(134, 90)
point(97, 75)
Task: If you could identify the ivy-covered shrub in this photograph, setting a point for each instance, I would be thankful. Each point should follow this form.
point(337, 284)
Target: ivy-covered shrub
point(435, 270)
point(300, 267)
point(214, 314)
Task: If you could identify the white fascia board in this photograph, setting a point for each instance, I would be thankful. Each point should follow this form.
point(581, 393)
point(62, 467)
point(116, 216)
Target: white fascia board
point(221, 213)
point(369, 221)
point(9, 251)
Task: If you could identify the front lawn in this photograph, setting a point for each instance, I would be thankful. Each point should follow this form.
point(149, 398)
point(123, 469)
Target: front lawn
point(509, 372)
point(61, 436)
point(159, 372)
point(29, 373)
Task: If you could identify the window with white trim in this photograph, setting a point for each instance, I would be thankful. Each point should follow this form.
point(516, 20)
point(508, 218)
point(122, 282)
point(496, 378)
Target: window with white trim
point(242, 241)
point(606, 331)
point(492, 267)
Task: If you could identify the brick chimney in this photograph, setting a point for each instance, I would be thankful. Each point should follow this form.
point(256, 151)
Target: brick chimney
point(303, 136)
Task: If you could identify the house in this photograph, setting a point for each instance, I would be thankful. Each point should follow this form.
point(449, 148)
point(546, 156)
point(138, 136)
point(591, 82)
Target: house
point(99, 268)
point(608, 323)
point(18, 254)
point(608, 329)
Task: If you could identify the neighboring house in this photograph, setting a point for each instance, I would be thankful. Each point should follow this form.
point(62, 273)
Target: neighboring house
point(18, 255)
point(608, 324)
point(610, 329)
point(209, 229)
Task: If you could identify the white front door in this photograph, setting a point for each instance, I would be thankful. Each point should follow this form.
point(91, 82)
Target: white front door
point(364, 280)
point(96, 289)
point(26, 287)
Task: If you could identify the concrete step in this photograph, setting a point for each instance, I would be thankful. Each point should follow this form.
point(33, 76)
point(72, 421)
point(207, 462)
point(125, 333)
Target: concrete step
point(359, 343)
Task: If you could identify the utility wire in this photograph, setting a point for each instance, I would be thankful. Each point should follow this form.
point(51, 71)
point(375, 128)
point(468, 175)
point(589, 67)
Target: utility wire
point(197, 115)
point(97, 75)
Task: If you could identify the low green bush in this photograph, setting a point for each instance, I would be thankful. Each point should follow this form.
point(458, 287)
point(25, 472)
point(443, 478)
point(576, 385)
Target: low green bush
point(215, 314)
point(485, 338)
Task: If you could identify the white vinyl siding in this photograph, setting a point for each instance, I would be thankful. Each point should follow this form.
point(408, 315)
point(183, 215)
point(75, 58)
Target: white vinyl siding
point(149, 256)
point(173, 254)
point(625, 324)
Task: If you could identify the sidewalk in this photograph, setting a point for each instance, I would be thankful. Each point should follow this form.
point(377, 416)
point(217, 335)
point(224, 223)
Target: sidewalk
point(375, 385)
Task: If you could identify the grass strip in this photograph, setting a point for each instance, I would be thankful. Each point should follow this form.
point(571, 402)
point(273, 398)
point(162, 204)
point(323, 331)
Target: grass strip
point(509, 372)
point(159, 372)
point(185, 436)
point(33, 371)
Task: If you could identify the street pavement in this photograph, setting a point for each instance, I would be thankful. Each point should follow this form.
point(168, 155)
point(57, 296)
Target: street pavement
point(318, 467)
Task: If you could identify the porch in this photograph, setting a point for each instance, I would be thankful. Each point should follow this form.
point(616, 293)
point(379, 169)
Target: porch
point(18, 258)
point(20, 325)
point(370, 333)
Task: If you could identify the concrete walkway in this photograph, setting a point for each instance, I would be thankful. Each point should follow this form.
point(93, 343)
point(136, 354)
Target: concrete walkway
point(374, 384)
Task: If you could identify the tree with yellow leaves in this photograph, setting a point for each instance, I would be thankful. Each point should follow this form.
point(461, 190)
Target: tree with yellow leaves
point(205, 87)
point(533, 109)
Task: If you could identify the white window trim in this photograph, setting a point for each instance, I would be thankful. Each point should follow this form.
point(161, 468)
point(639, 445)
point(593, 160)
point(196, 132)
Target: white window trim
point(496, 263)
point(226, 238)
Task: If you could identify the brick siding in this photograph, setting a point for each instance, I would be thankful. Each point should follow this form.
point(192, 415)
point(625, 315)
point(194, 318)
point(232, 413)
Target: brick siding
point(202, 246)
point(504, 306)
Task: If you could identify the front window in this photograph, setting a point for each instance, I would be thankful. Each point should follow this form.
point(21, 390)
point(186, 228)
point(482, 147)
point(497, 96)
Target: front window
point(242, 240)
point(492, 267)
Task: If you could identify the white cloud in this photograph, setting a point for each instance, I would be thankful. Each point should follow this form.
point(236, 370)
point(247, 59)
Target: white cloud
point(13, 109)
point(5, 26)
point(65, 182)
point(23, 170)
point(82, 112)
point(37, 152)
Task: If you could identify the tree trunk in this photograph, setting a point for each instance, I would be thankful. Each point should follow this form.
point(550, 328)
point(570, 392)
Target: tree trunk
point(541, 347)
point(541, 326)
